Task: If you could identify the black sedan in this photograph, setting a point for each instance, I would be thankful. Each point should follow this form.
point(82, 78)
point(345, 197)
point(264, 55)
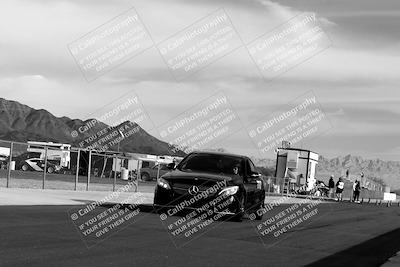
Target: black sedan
point(229, 184)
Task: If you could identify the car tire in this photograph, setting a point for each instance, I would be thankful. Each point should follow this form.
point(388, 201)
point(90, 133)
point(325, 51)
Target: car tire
point(259, 217)
point(50, 169)
point(238, 217)
point(25, 167)
point(145, 176)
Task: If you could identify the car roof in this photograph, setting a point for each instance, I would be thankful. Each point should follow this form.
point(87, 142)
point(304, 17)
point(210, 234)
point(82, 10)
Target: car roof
point(220, 153)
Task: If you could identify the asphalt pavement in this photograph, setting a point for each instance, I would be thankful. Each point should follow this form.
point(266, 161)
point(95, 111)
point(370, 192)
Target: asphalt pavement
point(342, 234)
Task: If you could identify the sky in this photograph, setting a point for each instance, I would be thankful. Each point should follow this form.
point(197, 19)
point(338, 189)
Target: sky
point(356, 80)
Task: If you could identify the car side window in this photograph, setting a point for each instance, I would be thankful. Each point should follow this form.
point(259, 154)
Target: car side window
point(250, 168)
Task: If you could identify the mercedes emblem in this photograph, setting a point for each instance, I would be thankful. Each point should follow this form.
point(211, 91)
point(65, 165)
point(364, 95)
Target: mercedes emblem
point(193, 190)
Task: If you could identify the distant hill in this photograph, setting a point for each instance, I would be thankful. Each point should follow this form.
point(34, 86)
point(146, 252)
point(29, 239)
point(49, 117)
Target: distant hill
point(388, 171)
point(22, 123)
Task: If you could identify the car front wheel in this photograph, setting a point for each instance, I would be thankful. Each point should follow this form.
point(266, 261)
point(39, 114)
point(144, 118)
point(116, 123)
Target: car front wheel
point(259, 217)
point(239, 213)
point(145, 176)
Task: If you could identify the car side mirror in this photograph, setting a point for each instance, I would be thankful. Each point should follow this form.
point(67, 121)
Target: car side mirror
point(171, 166)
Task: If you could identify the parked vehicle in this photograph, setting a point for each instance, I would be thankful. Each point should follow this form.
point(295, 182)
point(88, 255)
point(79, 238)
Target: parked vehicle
point(37, 164)
point(150, 173)
point(3, 164)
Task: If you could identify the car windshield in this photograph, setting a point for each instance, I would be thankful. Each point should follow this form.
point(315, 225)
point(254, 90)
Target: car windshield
point(213, 163)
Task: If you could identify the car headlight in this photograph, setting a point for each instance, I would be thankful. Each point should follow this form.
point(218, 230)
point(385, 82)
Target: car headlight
point(229, 191)
point(163, 183)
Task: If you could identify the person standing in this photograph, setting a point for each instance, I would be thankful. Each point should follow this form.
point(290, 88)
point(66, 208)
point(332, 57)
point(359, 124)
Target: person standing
point(353, 196)
point(356, 192)
point(331, 186)
point(339, 189)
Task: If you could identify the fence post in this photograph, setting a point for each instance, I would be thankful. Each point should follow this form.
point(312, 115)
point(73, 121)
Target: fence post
point(115, 171)
point(158, 170)
point(137, 175)
point(77, 169)
point(9, 165)
point(45, 167)
point(89, 168)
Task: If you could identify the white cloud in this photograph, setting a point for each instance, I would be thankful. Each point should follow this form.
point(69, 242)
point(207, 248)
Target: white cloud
point(36, 66)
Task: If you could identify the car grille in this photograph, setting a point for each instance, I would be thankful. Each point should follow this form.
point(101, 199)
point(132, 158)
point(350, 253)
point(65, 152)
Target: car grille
point(181, 190)
point(185, 184)
point(185, 187)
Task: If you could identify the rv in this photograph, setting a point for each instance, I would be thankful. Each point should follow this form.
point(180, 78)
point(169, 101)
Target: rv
point(55, 151)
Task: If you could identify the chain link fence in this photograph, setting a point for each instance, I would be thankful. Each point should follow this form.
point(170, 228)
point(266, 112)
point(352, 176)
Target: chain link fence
point(60, 166)
point(281, 186)
point(38, 165)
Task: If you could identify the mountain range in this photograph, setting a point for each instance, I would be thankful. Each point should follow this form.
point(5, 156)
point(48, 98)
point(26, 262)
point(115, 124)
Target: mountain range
point(388, 171)
point(22, 123)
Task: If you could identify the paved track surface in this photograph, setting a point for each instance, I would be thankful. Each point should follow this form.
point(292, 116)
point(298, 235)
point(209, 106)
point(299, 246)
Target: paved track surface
point(346, 234)
point(31, 197)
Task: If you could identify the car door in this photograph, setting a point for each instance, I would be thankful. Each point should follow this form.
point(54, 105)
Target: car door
point(252, 185)
point(35, 164)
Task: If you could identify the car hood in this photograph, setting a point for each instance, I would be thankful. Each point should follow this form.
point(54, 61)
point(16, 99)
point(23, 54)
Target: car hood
point(181, 175)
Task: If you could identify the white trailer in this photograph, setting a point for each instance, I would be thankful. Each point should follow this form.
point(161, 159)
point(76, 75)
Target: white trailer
point(4, 153)
point(55, 151)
